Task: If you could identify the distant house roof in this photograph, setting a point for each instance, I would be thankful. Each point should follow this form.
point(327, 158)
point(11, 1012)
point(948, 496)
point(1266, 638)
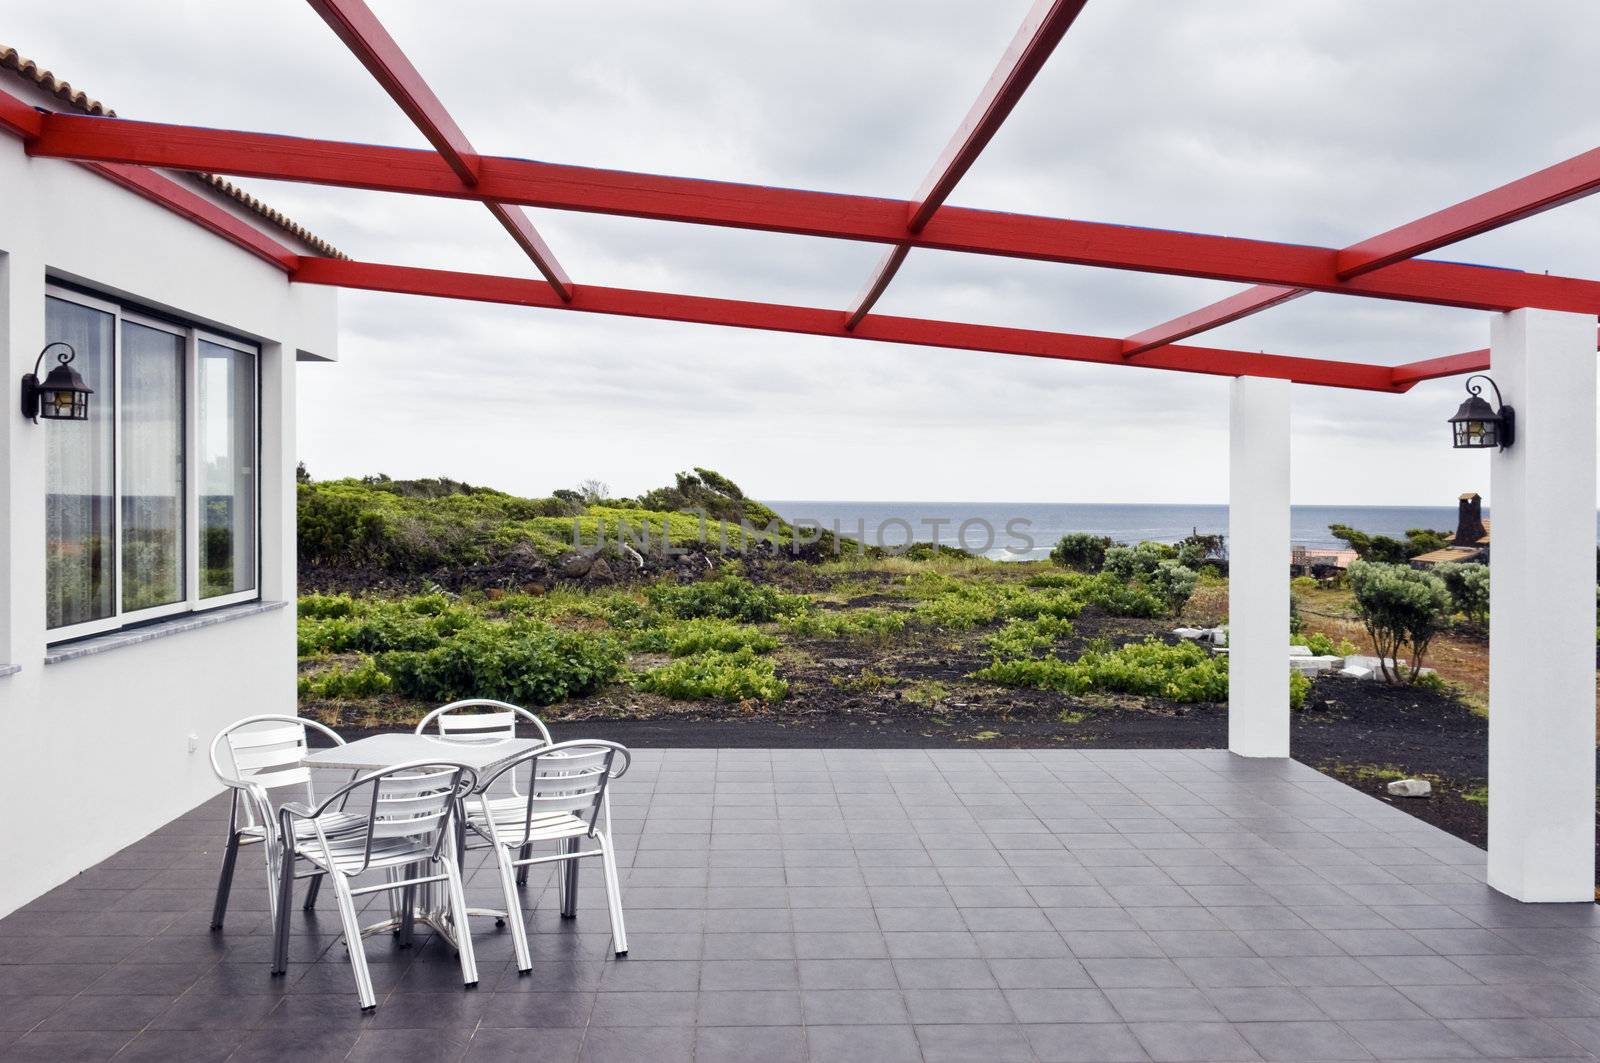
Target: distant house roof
point(13, 61)
point(1449, 553)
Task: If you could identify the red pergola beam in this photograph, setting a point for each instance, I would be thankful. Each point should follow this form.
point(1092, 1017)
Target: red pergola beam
point(19, 118)
point(1250, 301)
point(846, 217)
point(364, 35)
point(814, 321)
point(1564, 182)
point(1047, 22)
point(1432, 368)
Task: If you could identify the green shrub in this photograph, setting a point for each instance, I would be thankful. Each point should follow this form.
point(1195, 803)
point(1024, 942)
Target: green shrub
point(1322, 645)
point(1123, 599)
point(1173, 583)
point(1081, 551)
point(1299, 687)
point(1183, 672)
point(725, 598)
point(1054, 580)
point(1137, 562)
point(846, 623)
point(327, 606)
point(1468, 586)
point(683, 637)
point(1027, 638)
point(528, 662)
point(1400, 606)
point(740, 676)
point(365, 680)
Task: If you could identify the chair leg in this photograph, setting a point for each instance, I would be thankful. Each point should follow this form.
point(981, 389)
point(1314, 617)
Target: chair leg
point(608, 859)
point(352, 941)
point(513, 903)
point(569, 878)
point(459, 921)
point(280, 912)
point(230, 857)
point(522, 872)
point(311, 892)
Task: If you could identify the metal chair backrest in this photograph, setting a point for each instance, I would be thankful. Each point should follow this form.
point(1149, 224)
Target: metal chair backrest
point(267, 752)
point(412, 800)
point(567, 777)
point(457, 722)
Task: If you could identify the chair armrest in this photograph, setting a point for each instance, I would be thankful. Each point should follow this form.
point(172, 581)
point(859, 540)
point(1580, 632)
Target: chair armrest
point(298, 809)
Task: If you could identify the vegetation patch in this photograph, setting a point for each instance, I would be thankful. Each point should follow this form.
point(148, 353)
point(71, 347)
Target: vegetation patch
point(738, 676)
point(1182, 673)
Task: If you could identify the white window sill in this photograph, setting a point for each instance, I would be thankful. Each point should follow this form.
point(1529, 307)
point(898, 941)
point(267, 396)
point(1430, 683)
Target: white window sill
point(115, 640)
point(9, 669)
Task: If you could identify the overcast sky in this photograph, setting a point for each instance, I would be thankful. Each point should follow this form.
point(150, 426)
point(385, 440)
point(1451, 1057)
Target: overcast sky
point(1317, 121)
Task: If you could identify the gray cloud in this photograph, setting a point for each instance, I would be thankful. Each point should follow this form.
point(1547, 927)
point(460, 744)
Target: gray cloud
point(1322, 122)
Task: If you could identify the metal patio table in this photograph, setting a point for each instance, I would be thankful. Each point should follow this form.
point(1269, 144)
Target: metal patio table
point(387, 750)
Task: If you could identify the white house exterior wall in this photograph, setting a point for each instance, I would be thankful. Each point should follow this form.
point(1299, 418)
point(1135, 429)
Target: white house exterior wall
point(113, 728)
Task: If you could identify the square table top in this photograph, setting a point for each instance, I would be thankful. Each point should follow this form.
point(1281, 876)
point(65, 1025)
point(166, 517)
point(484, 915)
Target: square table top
point(386, 750)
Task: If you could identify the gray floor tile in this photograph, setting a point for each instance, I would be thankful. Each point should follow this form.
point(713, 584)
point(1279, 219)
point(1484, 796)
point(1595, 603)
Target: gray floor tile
point(1296, 1041)
point(863, 1044)
point(1100, 1042)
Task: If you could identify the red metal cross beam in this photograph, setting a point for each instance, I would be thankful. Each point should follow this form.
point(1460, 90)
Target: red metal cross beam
point(816, 321)
point(366, 38)
point(767, 209)
point(1551, 187)
point(1047, 22)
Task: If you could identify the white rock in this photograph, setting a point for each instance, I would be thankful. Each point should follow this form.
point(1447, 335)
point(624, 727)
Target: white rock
point(1187, 632)
point(1356, 671)
point(1411, 788)
point(1299, 651)
point(1316, 665)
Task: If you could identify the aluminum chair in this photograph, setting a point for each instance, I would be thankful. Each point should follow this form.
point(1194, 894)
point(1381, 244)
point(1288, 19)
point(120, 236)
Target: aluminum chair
point(263, 753)
point(464, 721)
point(408, 826)
point(459, 722)
point(566, 793)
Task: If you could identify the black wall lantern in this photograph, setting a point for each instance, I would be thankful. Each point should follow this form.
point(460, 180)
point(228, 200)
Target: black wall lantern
point(1477, 424)
point(63, 396)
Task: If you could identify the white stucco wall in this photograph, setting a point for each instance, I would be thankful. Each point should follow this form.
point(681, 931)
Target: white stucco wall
point(97, 748)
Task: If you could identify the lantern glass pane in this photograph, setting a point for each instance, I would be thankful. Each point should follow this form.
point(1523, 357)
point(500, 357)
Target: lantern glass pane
point(151, 460)
point(80, 483)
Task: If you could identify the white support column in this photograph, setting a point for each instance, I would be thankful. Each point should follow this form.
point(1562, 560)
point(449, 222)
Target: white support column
point(1258, 568)
point(1541, 615)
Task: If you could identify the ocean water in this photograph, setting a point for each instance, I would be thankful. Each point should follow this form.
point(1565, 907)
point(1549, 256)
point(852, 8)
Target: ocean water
point(1024, 530)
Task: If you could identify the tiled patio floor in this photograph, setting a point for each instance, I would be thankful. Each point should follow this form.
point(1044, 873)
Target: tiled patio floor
point(867, 905)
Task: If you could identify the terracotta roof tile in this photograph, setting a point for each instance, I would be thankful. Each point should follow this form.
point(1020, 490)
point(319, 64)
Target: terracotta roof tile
point(78, 100)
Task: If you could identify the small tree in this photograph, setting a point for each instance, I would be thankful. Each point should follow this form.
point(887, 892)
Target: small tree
point(1081, 551)
point(1138, 562)
point(1175, 583)
point(1399, 606)
point(1468, 585)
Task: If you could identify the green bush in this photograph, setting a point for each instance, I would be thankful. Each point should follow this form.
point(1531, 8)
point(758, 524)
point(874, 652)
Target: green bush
point(528, 662)
point(1299, 687)
point(1174, 583)
point(1027, 638)
point(1123, 599)
point(365, 680)
point(683, 637)
point(846, 623)
point(1081, 551)
point(1322, 645)
point(725, 598)
point(327, 606)
point(1468, 585)
point(1137, 562)
point(1400, 606)
point(740, 676)
point(1183, 672)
